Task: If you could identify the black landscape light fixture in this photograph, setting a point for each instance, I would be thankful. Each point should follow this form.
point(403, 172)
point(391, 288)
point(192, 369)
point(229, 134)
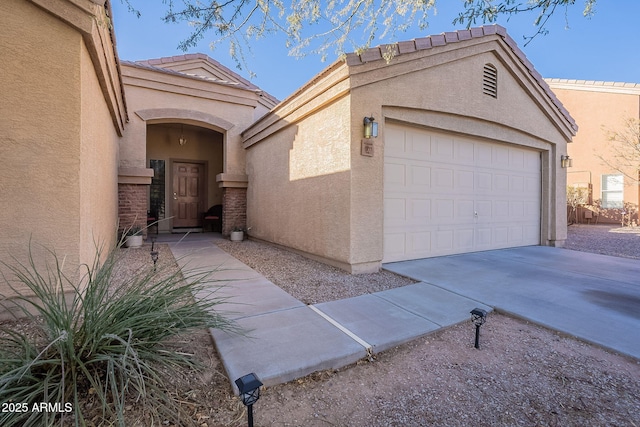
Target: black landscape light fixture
point(249, 387)
point(478, 317)
point(154, 254)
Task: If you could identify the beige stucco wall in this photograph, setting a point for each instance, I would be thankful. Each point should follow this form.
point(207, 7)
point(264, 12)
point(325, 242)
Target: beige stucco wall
point(598, 108)
point(59, 133)
point(98, 179)
point(39, 142)
point(299, 185)
point(436, 88)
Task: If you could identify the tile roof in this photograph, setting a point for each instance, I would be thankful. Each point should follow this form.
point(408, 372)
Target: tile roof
point(382, 51)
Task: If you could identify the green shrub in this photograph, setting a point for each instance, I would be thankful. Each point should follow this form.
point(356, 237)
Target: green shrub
point(107, 340)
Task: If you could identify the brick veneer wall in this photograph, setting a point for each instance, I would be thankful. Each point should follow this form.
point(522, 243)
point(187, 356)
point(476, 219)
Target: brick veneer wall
point(132, 206)
point(234, 212)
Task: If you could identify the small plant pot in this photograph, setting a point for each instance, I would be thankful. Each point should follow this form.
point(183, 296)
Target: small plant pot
point(133, 241)
point(237, 236)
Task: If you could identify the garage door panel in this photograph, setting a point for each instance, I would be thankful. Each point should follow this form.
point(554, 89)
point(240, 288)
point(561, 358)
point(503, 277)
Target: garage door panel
point(420, 210)
point(443, 209)
point(421, 243)
point(419, 176)
point(419, 144)
point(394, 176)
point(394, 245)
point(465, 181)
point(442, 148)
point(442, 179)
point(396, 213)
point(443, 241)
point(465, 238)
point(446, 194)
point(464, 152)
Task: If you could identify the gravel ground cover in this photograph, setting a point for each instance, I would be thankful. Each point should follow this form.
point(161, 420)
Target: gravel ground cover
point(605, 240)
point(309, 281)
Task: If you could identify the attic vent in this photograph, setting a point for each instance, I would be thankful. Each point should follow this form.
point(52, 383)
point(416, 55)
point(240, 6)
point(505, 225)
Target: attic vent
point(490, 81)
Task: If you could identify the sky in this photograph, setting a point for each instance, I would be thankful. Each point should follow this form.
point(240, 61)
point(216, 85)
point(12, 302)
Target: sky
point(605, 47)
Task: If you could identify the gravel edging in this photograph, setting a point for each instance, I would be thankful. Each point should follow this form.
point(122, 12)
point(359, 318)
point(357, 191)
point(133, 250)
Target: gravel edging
point(605, 240)
point(309, 281)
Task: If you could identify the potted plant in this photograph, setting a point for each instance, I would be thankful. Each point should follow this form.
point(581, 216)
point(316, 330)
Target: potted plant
point(237, 234)
point(133, 237)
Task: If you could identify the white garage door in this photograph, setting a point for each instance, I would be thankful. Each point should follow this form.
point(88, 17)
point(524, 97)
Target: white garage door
point(445, 194)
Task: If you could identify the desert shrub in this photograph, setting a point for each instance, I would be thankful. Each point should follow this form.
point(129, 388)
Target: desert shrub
point(103, 339)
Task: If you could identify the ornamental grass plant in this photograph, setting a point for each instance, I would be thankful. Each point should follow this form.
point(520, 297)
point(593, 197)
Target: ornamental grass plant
point(93, 336)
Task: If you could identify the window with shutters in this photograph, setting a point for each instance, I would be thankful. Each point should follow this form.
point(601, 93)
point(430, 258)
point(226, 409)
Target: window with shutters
point(490, 81)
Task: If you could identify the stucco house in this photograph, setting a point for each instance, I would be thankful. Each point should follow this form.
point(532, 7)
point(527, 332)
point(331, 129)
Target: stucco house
point(462, 150)
point(600, 108)
point(467, 157)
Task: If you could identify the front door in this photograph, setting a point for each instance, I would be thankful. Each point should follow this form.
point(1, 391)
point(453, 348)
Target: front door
point(188, 179)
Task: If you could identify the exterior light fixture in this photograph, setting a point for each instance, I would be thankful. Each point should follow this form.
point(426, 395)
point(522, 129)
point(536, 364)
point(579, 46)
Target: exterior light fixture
point(370, 127)
point(182, 139)
point(154, 254)
point(249, 387)
point(478, 317)
point(566, 161)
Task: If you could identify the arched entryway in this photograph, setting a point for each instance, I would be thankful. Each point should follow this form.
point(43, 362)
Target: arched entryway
point(185, 158)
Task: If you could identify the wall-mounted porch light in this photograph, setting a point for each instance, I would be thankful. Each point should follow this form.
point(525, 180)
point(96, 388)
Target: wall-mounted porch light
point(249, 387)
point(566, 161)
point(370, 127)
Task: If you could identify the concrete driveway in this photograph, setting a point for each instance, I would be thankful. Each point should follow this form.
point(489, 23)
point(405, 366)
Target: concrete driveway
point(593, 297)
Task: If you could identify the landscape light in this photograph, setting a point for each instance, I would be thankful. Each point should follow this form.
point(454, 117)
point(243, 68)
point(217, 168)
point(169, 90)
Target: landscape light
point(249, 387)
point(154, 254)
point(478, 317)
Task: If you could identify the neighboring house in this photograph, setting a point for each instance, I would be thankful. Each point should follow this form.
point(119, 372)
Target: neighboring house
point(599, 109)
point(466, 158)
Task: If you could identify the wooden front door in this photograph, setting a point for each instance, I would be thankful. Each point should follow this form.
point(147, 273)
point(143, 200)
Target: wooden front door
point(188, 179)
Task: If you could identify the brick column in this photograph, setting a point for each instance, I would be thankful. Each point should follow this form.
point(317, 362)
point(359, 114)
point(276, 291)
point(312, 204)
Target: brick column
point(132, 206)
point(234, 213)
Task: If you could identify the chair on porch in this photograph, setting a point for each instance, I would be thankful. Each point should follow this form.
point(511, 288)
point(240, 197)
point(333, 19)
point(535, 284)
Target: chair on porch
point(213, 217)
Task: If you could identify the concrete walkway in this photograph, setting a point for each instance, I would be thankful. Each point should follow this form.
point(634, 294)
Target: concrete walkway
point(287, 339)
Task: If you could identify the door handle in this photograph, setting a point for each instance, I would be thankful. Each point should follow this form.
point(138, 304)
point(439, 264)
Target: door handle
point(475, 214)
point(175, 196)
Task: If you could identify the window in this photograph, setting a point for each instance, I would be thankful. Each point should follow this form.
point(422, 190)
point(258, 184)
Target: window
point(490, 81)
point(612, 191)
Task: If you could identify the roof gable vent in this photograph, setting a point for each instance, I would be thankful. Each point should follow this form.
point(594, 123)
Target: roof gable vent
point(490, 81)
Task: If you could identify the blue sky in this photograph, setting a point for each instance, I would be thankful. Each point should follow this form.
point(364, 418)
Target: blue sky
point(604, 47)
